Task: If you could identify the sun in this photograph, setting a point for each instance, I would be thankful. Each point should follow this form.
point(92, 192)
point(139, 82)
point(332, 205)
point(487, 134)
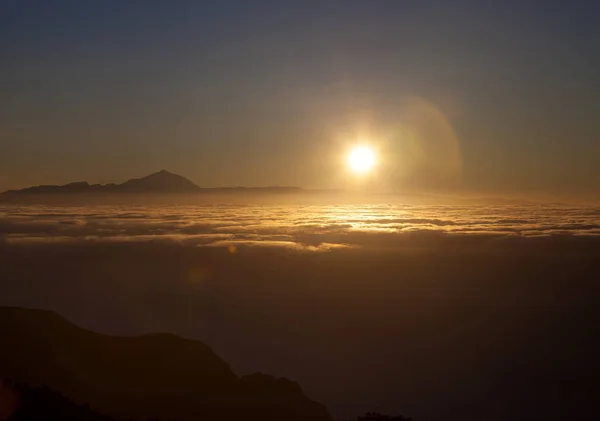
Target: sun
point(361, 159)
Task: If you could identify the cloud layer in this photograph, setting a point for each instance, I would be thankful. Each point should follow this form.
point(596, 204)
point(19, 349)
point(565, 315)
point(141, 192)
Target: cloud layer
point(297, 227)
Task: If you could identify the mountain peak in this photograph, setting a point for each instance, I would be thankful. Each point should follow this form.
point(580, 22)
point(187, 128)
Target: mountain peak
point(160, 181)
point(162, 173)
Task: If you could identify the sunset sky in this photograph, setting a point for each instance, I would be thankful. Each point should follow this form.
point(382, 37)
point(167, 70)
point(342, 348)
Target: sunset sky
point(498, 97)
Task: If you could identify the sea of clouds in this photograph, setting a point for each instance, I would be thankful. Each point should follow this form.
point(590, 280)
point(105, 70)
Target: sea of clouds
point(310, 228)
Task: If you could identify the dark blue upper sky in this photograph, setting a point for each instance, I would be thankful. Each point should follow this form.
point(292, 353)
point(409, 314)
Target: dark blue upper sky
point(270, 92)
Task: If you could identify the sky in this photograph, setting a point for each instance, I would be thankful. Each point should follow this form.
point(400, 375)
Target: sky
point(474, 96)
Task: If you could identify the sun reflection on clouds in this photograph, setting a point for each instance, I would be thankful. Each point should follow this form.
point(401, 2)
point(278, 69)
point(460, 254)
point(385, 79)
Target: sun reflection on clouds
point(309, 228)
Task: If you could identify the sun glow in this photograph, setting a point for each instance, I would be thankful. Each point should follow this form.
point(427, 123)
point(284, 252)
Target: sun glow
point(361, 159)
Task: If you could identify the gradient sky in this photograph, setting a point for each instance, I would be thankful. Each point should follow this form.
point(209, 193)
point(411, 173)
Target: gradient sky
point(273, 92)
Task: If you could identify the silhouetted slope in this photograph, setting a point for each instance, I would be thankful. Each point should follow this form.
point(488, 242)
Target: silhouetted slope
point(149, 376)
point(160, 182)
point(25, 403)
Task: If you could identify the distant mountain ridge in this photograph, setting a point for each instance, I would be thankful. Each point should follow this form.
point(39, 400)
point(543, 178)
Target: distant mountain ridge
point(159, 182)
point(151, 376)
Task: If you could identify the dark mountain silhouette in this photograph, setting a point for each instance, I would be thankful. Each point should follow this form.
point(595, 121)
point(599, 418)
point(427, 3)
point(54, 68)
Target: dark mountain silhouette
point(159, 182)
point(152, 376)
point(20, 402)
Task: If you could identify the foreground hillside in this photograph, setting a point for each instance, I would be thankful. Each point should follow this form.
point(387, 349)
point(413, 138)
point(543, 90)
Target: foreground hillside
point(20, 402)
point(153, 376)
